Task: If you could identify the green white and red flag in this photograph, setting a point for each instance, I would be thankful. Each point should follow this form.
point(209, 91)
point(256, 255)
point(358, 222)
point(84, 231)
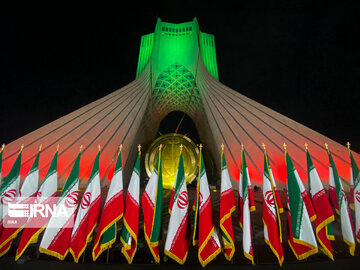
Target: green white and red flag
point(324, 213)
point(300, 232)
point(1, 216)
point(272, 208)
point(26, 196)
point(152, 203)
point(112, 212)
point(355, 179)
point(46, 196)
point(9, 192)
point(1, 154)
point(246, 207)
point(227, 207)
point(87, 214)
point(339, 202)
point(56, 238)
point(204, 234)
point(250, 194)
point(178, 238)
point(129, 232)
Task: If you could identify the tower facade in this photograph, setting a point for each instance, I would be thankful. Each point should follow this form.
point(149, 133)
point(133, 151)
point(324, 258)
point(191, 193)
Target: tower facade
point(177, 71)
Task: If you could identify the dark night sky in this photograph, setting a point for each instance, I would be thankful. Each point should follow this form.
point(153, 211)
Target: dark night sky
point(300, 59)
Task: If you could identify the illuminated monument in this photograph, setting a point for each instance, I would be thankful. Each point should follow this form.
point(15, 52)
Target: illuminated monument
point(177, 71)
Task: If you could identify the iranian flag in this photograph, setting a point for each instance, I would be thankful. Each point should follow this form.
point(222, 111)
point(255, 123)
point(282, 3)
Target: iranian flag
point(87, 214)
point(26, 196)
point(272, 208)
point(204, 233)
point(300, 233)
point(324, 213)
point(244, 211)
point(177, 239)
point(152, 202)
point(8, 194)
point(355, 178)
point(56, 238)
point(339, 201)
point(112, 212)
point(227, 206)
point(45, 196)
point(1, 154)
point(129, 232)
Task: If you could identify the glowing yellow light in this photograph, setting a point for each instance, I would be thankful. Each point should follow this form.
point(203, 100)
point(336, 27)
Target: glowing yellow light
point(170, 158)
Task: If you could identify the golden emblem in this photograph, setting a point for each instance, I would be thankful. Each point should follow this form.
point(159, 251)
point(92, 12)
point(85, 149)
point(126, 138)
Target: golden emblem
point(170, 158)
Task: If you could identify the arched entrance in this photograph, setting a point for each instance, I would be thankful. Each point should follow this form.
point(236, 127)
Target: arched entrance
point(180, 123)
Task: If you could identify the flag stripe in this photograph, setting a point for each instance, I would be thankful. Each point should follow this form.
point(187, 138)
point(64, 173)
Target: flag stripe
point(129, 232)
point(300, 233)
point(56, 238)
point(339, 199)
point(177, 239)
point(112, 212)
point(227, 207)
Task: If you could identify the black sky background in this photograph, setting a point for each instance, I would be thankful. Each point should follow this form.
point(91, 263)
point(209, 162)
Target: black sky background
point(298, 58)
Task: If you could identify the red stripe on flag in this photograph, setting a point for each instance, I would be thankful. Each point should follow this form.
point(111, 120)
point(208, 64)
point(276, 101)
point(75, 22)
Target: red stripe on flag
point(84, 231)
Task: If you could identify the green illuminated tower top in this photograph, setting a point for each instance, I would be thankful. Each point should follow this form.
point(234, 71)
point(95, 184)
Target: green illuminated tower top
point(173, 51)
point(177, 43)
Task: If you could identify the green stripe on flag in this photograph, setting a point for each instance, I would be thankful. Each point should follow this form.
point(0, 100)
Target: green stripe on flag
point(180, 177)
point(1, 154)
point(202, 167)
point(266, 167)
point(109, 234)
point(225, 237)
point(244, 176)
point(137, 165)
point(329, 229)
point(35, 165)
point(118, 166)
point(156, 229)
point(73, 177)
point(124, 234)
point(339, 193)
point(223, 161)
point(13, 174)
point(95, 168)
point(53, 167)
point(295, 199)
point(355, 171)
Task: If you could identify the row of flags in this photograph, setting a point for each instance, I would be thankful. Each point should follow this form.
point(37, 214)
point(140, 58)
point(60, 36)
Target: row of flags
point(72, 232)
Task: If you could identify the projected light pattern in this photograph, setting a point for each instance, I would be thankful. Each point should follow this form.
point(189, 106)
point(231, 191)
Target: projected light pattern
point(175, 89)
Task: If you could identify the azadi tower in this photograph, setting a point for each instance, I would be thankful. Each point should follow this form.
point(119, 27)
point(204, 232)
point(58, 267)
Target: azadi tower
point(177, 71)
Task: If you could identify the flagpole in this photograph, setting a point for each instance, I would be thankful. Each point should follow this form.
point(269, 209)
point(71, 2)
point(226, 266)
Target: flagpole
point(107, 256)
point(83, 257)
